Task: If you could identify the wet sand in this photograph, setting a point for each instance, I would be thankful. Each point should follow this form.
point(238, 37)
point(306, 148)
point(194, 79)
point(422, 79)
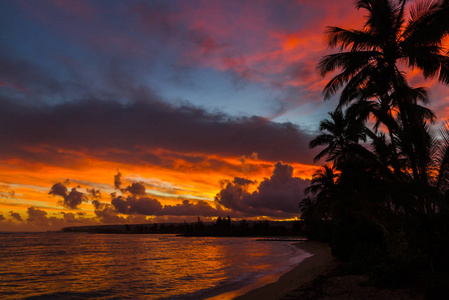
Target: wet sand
point(321, 262)
point(315, 279)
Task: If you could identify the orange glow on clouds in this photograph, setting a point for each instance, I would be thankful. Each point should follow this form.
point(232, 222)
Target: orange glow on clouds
point(31, 182)
point(276, 49)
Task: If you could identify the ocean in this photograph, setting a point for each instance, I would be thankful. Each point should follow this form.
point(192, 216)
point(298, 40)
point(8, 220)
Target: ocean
point(59, 265)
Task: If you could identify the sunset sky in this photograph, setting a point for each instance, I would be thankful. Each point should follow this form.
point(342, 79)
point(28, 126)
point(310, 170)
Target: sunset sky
point(180, 108)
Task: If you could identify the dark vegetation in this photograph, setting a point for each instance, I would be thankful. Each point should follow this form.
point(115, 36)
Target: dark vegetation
point(382, 202)
point(226, 227)
point(222, 227)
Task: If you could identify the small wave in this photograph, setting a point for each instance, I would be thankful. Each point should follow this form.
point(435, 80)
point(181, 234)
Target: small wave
point(72, 295)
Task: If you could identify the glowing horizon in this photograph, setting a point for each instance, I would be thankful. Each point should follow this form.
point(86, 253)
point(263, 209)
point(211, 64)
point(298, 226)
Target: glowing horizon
point(184, 97)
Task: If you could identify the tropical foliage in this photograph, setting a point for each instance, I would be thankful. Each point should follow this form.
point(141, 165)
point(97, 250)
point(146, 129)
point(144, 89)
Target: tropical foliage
point(390, 160)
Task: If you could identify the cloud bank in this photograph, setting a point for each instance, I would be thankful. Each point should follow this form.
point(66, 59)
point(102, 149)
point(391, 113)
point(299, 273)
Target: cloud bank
point(114, 131)
point(277, 196)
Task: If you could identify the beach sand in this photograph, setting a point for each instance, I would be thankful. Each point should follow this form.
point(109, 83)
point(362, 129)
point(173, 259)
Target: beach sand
point(321, 262)
point(315, 279)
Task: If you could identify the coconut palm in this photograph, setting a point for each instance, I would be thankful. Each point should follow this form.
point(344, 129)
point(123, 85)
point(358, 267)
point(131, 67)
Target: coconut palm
point(401, 181)
point(306, 206)
point(338, 133)
point(323, 182)
point(323, 187)
point(370, 58)
point(370, 63)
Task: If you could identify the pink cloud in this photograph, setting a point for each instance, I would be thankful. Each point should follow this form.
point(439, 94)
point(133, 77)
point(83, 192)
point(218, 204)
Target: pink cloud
point(259, 48)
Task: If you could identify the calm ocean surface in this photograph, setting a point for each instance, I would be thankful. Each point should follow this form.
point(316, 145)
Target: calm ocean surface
point(110, 266)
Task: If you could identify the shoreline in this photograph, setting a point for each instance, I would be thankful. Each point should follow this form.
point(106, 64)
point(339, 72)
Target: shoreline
point(275, 286)
point(305, 272)
point(313, 278)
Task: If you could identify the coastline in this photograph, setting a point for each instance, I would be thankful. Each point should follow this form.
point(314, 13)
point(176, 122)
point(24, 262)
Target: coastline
point(305, 272)
point(313, 278)
point(276, 286)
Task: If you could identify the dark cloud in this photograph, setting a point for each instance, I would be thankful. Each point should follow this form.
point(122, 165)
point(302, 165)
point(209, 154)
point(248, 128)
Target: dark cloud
point(16, 216)
point(187, 208)
point(139, 204)
point(282, 191)
point(152, 207)
point(136, 205)
point(118, 181)
point(94, 194)
point(69, 217)
point(97, 127)
point(276, 196)
point(234, 194)
point(71, 199)
point(108, 215)
point(74, 198)
point(244, 182)
point(58, 189)
point(97, 204)
point(38, 217)
point(136, 189)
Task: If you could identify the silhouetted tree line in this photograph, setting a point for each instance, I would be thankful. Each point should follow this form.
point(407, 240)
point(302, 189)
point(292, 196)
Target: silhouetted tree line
point(222, 227)
point(383, 201)
point(225, 227)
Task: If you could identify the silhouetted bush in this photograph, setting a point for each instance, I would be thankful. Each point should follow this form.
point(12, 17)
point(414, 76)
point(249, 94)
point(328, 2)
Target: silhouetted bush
point(397, 273)
point(360, 242)
point(319, 230)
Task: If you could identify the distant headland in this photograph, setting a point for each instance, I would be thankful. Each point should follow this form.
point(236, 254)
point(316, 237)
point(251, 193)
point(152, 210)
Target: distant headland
point(221, 227)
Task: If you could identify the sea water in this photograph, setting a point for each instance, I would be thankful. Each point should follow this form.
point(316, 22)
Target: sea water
point(119, 266)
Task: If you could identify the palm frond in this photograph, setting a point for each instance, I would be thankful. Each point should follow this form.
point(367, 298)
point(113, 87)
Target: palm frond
point(356, 40)
point(351, 61)
point(428, 23)
point(444, 72)
point(360, 86)
point(443, 159)
point(422, 8)
point(321, 140)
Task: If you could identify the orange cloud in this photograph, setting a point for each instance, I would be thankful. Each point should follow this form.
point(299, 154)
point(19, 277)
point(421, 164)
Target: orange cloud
point(183, 179)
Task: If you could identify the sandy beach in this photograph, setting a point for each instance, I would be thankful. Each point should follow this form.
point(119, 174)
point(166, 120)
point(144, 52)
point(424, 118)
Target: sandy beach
point(304, 273)
point(315, 278)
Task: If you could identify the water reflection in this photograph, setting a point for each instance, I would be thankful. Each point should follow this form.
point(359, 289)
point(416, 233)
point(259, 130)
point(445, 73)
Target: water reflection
point(129, 266)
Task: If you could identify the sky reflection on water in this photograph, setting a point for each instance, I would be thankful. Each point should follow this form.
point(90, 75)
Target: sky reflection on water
point(133, 266)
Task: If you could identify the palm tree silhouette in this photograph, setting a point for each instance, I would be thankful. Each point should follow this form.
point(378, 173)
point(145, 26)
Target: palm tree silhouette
point(370, 63)
point(338, 133)
point(323, 187)
point(398, 178)
point(323, 182)
point(370, 58)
